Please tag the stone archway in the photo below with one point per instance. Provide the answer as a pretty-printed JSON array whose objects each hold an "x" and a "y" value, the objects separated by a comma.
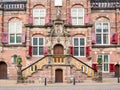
[
  {"x": 58, "y": 75},
  {"x": 3, "y": 70}
]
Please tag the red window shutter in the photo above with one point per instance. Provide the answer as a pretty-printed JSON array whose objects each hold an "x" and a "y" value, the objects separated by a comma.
[
  {"x": 88, "y": 51},
  {"x": 30, "y": 50},
  {"x": 93, "y": 38},
  {"x": 71, "y": 50},
  {"x": 95, "y": 67},
  {"x": 47, "y": 19},
  {"x": 112, "y": 67},
  {"x": 5, "y": 37},
  {"x": 30, "y": 20},
  {"x": 45, "y": 51},
  {"x": 114, "y": 38},
  {"x": 87, "y": 19},
  {"x": 111, "y": 38},
  {"x": 23, "y": 37},
  {"x": 69, "y": 20}
]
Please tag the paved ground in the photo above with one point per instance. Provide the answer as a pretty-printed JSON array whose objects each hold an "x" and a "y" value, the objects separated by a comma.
[
  {"x": 65, "y": 87},
  {"x": 108, "y": 84}
]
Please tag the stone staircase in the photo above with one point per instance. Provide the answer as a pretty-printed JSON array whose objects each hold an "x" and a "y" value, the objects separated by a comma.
[{"x": 42, "y": 69}]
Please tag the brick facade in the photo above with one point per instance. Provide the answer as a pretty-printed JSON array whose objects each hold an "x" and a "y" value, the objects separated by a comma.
[{"x": 64, "y": 34}]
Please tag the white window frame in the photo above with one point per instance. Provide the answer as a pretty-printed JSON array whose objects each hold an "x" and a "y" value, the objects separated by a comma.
[
  {"x": 80, "y": 46},
  {"x": 39, "y": 16},
  {"x": 103, "y": 33},
  {"x": 58, "y": 2},
  {"x": 104, "y": 63},
  {"x": 15, "y": 23},
  {"x": 38, "y": 46},
  {"x": 77, "y": 16}
]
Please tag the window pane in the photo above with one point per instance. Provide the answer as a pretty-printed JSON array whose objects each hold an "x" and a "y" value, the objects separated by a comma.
[
  {"x": 35, "y": 50},
  {"x": 42, "y": 21},
  {"x": 40, "y": 50},
  {"x": 75, "y": 41},
  {"x": 40, "y": 41},
  {"x": 42, "y": 12},
  {"x": 80, "y": 21},
  {"x": 12, "y": 38},
  {"x": 18, "y": 27},
  {"x": 35, "y": 41},
  {"x": 74, "y": 21},
  {"x": 98, "y": 25},
  {"x": 105, "y": 67},
  {"x": 80, "y": 12},
  {"x": 105, "y": 39},
  {"x": 105, "y": 58},
  {"x": 12, "y": 28},
  {"x": 76, "y": 49},
  {"x": 18, "y": 38},
  {"x": 98, "y": 30},
  {"x": 36, "y": 13},
  {"x": 82, "y": 43},
  {"x": 74, "y": 12},
  {"x": 98, "y": 39},
  {"x": 81, "y": 51},
  {"x": 36, "y": 21}
]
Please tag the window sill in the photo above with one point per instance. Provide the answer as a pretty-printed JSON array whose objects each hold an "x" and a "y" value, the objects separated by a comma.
[
  {"x": 105, "y": 46},
  {"x": 38, "y": 26},
  {"x": 14, "y": 45},
  {"x": 78, "y": 26}
]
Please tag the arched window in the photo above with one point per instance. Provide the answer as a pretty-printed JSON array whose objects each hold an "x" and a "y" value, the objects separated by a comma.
[
  {"x": 39, "y": 16},
  {"x": 77, "y": 15},
  {"x": 15, "y": 32}
]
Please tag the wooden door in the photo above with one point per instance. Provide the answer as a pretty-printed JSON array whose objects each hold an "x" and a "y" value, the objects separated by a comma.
[
  {"x": 3, "y": 70},
  {"x": 117, "y": 70},
  {"x": 58, "y": 49},
  {"x": 58, "y": 76}
]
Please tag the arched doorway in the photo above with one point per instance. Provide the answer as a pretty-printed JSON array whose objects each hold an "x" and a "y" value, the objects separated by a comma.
[
  {"x": 58, "y": 75},
  {"x": 3, "y": 70},
  {"x": 58, "y": 49}
]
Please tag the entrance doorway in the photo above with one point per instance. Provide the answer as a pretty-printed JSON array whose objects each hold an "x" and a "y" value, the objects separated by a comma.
[
  {"x": 3, "y": 70},
  {"x": 117, "y": 70},
  {"x": 58, "y": 76},
  {"x": 58, "y": 49}
]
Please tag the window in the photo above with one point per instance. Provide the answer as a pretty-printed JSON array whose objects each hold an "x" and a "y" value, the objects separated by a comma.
[
  {"x": 14, "y": 59},
  {"x": 105, "y": 62},
  {"x": 38, "y": 46},
  {"x": 77, "y": 15},
  {"x": 15, "y": 32},
  {"x": 58, "y": 2},
  {"x": 39, "y": 16},
  {"x": 79, "y": 46},
  {"x": 102, "y": 33}
]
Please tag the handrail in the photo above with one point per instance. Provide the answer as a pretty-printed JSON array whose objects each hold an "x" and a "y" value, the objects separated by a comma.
[
  {"x": 83, "y": 63},
  {"x": 34, "y": 63}
]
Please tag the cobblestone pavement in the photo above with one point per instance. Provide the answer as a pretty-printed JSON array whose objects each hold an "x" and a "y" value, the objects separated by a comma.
[{"x": 64, "y": 87}]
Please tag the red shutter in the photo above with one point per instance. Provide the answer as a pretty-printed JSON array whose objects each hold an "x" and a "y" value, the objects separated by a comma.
[
  {"x": 47, "y": 20},
  {"x": 45, "y": 51},
  {"x": 111, "y": 38},
  {"x": 5, "y": 37},
  {"x": 112, "y": 67},
  {"x": 30, "y": 21},
  {"x": 69, "y": 20},
  {"x": 88, "y": 51},
  {"x": 93, "y": 38},
  {"x": 87, "y": 19},
  {"x": 95, "y": 67},
  {"x": 114, "y": 38},
  {"x": 23, "y": 38},
  {"x": 71, "y": 50},
  {"x": 30, "y": 50}
]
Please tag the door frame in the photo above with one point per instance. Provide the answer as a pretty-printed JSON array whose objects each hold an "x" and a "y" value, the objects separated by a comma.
[
  {"x": 4, "y": 72},
  {"x": 59, "y": 79}
]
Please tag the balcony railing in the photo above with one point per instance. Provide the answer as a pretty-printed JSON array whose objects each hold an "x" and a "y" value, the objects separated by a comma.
[
  {"x": 13, "y": 5},
  {"x": 105, "y": 4}
]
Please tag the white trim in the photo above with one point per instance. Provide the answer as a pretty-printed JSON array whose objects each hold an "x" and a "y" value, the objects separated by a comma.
[
  {"x": 103, "y": 33},
  {"x": 80, "y": 46},
  {"x": 38, "y": 46}
]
